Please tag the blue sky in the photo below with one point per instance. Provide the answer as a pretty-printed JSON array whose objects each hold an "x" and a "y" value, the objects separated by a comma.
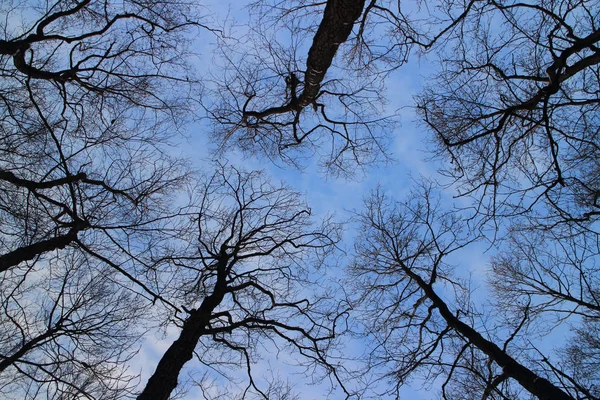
[
  {"x": 409, "y": 142},
  {"x": 323, "y": 194},
  {"x": 330, "y": 195}
]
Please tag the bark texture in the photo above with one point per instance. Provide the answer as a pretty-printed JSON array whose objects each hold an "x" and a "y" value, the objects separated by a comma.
[
  {"x": 28, "y": 253},
  {"x": 336, "y": 26}
]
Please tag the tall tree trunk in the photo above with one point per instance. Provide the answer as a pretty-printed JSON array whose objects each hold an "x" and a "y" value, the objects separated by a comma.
[
  {"x": 533, "y": 383},
  {"x": 338, "y": 19},
  {"x": 27, "y": 253},
  {"x": 164, "y": 380},
  {"x": 335, "y": 27}
]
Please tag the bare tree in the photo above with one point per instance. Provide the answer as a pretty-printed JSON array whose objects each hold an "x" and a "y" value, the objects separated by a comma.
[
  {"x": 558, "y": 274},
  {"x": 68, "y": 329},
  {"x": 87, "y": 105},
  {"x": 422, "y": 315},
  {"x": 515, "y": 109},
  {"x": 252, "y": 258},
  {"x": 91, "y": 93},
  {"x": 92, "y": 90},
  {"x": 551, "y": 276},
  {"x": 581, "y": 358},
  {"x": 81, "y": 115},
  {"x": 273, "y": 97},
  {"x": 309, "y": 77}
]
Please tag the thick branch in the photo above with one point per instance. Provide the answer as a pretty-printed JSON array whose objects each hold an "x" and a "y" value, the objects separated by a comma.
[
  {"x": 32, "y": 185},
  {"x": 36, "y": 73},
  {"x": 557, "y": 72},
  {"x": 80, "y": 177},
  {"x": 335, "y": 27},
  {"x": 27, "y": 253},
  {"x": 7, "y": 361}
]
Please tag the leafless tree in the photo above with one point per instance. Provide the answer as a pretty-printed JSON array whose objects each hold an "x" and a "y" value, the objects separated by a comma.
[
  {"x": 84, "y": 105},
  {"x": 253, "y": 252},
  {"x": 420, "y": 311},
  {"x": 309, "y": 78},
  {"x": 87, "y": 105},
  {"x": 581, "y": 357},
  {"x": 515, "y": 109},
  {"x": 68, "y": 327},
  {"x": 552, "y": 276},
  {"x": 91, "y": 91},
  {"x": 272, "y": 96}
]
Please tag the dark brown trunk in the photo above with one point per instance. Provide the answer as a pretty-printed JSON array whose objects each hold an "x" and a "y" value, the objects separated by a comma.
[
  {"x": 10, "y": 360},
  {"x": 338, "y": 19},
  {"x": 164, "y": 380},
  {"x": 335, "y": 27},
  {"x": 27, "y": 253}
]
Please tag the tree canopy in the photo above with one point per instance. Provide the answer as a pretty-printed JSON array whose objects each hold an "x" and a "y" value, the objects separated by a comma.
[{"x": 477, "y": 281}]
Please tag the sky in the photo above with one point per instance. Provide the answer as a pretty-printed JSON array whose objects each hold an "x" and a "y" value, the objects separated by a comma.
[
  {"x": 328, "y": 194},
  {"x": 323, "y": 194}
]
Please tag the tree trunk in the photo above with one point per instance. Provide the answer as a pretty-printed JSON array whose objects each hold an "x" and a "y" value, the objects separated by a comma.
[
  {"x": 338, "y": 19},
  {"x": 164, "y": 380},
  {"x": 534, "y": 384},
  {"x": 27, "y": 253}
]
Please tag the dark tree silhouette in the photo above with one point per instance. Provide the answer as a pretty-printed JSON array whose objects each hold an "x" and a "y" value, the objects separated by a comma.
[
  {"x": 91, "y": 92},
  {"x": 67, "y": 330},
  {"x": 81, "y": 117},
  {"x": 253, "y": 250},
  {"x": 515, "y": 109},
  {"x": 274, "y": 98},
  {"x": 308, "y": 78},
  {"x": 95, "y": 234},
  {"x": 424, "y": 320}
]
